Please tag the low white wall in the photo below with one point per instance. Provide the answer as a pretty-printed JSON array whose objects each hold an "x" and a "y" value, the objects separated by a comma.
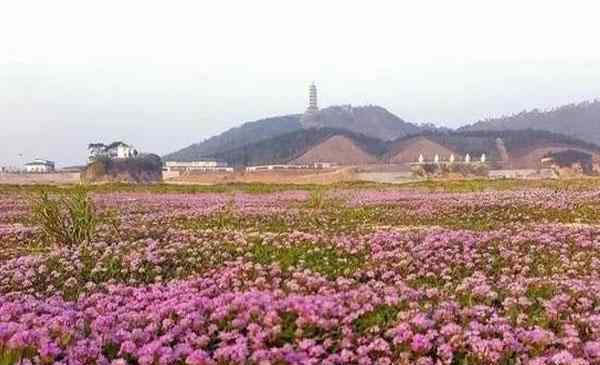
[
  {"x": 166, "y": 175},
  {"x": 51, "y": 178}
]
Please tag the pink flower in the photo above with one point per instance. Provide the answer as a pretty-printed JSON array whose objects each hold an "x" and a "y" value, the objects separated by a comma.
[
  {"x": 127, "y": 347},
  {"x": 562, "y": 358},
  {"x": 420, "y": 343},
  {"x": 592, "y": 349},
  {"x": 199, "y": 357}
]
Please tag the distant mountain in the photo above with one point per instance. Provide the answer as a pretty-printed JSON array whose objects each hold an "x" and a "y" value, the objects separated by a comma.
[
  {"x": 372, "y": 121},
  {"x": 304, "y": 144},
  {"x": 384, "y": 137},
  {"x": 507, "y": 149},
  {"x": 577, "y": 120},
  {"x": 246, "y": 134}
]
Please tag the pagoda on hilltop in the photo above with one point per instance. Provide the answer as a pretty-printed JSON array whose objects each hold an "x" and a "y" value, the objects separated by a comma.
[{"x": 311, "y": 115}]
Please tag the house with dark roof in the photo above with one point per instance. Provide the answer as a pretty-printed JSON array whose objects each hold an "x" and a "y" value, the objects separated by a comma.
[
  {"x": 115, "y": 150},
  {"x": 40, "y": 166}
]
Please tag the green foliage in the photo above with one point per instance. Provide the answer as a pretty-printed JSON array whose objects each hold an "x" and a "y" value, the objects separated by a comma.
[
  {"x": 69, "y": 219},
  {"x": 316, "y": 199},
  {"x": 247, "y": 133},
  {"x": 288, "y": 329},
  {"x": 328, "y": 261},
  {"x": 445, "y": 169},
  {"x": 8, "y": 357},
  {"x": 282, "y": 136},
  {"x": 11, "y": 357},
  {"x": 143, "y": 168},
  {"x": 582, "y": 121},
  {"x": 476, "y": 142},
  {"x": 451, "y": 186},
  {"x": 568, "y": 158},
  {"x": 382, "y": 317},
  {"x": 283, "y": 148},
  {"x": 479, "y": 185}
]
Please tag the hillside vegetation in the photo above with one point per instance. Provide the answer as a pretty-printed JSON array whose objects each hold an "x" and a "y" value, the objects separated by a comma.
[
  {"x": 146, "y": 168},
  {"x": 247, "y": 133},
  {"x": 577, "y": 120},
  {"x": 477, "y": 142},
  {"x": 373, "y": 121},
  {"x": 370, "y": 120},
  {"x": 285, "y": 138},
  {"x": 287, "y": 147},
  {"x": 314, "y": 144}
]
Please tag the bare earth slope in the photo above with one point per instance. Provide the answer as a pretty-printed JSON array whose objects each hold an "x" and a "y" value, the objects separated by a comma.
[
  {"x": 338, "y": 149},
  {"x": 408, "y": 150}
]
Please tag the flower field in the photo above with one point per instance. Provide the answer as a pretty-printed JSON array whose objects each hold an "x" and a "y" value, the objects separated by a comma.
[{"x": 346, "y": 275}]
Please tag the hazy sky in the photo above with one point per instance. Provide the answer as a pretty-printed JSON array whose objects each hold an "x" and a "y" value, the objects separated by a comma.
[{"x": 164, "y": 74}]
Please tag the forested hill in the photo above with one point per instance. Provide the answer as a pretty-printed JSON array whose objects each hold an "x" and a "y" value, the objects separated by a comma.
[
  {"x": 577, "y": 120},
  {"x": 581, "y": 121},
  {"x": 286, "y": 147},
  {"x": 246, "y": 134},
  {"x": 371, "y": 120}
]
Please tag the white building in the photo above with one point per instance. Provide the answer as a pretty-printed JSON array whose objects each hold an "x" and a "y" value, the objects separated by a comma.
[
  {"x": 314, "y": 165},
  {"x": 199, "y": 165},
  {"x": 125, "y": 151},
  {"x": 324, "y": 165},
  {"x": 39, "y": 166},
  {"x": 275, "y": 167},
  {"x": 113, "y": 151}
]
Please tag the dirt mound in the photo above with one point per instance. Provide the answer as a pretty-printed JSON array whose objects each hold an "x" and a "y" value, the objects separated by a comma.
[
  {"x": 337, "y": 149},
  {"x": 409, "y": 150},
  {"x": 142, "y": 169}
]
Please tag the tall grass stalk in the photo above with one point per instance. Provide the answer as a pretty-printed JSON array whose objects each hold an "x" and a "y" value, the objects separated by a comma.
[
  {"x": 66, "y": 220},
  {"x": 317, "y": 199}
]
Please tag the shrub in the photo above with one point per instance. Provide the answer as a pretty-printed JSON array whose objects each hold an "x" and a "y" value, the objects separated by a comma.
[
  {"x": 68, "y": 219},
  {"x": 316, "y": 199}
]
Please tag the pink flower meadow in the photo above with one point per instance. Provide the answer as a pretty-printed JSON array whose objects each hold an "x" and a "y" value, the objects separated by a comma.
[{"x": 374, "y": 277}]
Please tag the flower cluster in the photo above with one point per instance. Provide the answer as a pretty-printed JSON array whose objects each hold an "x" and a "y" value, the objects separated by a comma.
[{"x": 211, "y": 279}]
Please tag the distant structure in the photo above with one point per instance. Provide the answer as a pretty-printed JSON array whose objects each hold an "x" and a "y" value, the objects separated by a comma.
[
  {"x": 504, "y": 159},
  {"x": 313, "y": 106},
  {"x": 442, "y": 166},
  {"x": 10, "y": 170},
  {"x": 202, "y": 165},
  {"x": 311, "y": 166},
  {"x": 115, "y": 150},
  {"x": 311, "y": 114},
  {"x": 440, "y": 160},
  {"x": 40, "y": 166}
]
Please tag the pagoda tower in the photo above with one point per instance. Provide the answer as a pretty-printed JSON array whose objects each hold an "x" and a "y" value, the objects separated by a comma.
[
  {"x": 313, "y": 106},
  {"x": 311, "y": 114}
]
